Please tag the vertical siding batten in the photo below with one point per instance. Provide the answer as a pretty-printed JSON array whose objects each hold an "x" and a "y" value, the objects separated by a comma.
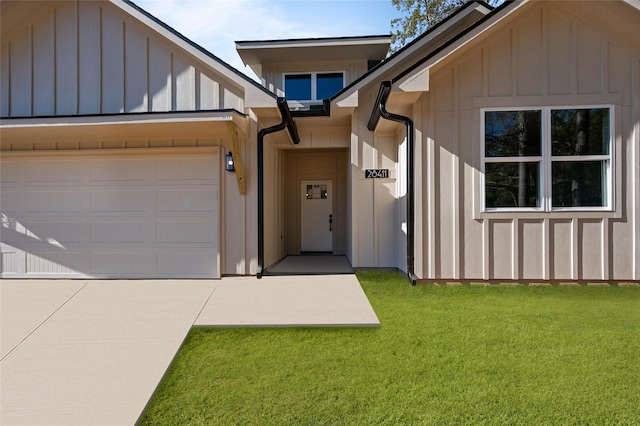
[
  {"x": 485, "y": 249},
  {"x": 606, "y": 249},
  {"x": 514, "y": 60},
  {"x": 635, "y": 155},
  {"x": 431, "y": 185},
  {"x": 419, "y": 193},
  {"x": 546, "y": 273},
  {"x": 148, "y": 91},
  {"x": 125, "y": 60},
  {"x": 196, "y": 86},
  {"x": 172, "y": 85},
  {"x": 31, "y": 63},
  {"x": 5, "y": 86},
  {"x": 78, "y": 57},
  {"x": 101, "y": 50},
  {"x": 516, "y": 270},
  {"x": 55, "y": 60},
  {"x": 455, "y": 176}
]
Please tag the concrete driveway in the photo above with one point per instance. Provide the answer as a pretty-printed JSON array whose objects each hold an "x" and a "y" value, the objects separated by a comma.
[{"x": 92, "y": 352}]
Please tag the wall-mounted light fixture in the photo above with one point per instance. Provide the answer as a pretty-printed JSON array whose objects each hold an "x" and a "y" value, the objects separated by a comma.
[{"x": 229, "y": 165}]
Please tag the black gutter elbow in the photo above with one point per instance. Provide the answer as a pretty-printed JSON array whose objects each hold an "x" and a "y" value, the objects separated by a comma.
[
  {"x": 381, "y": 100},
  {"x": 379, "y": 110},
  {"x": 288, "y": 123},
  {"x": 288, "y": 119}
]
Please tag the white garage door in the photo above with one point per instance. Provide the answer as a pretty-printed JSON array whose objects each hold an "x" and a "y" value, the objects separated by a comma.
[{"x": 148, "y": 214}]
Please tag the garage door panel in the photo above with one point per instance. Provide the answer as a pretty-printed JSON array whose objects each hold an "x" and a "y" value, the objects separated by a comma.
[
  {"x": 124, "y": 263},
  {"x": 11, "y": 201},
  {"x": 10, "y": 172},
  {"x": 118, "y": 200},
  {"x": 55, "y": 232},
  {"x": 55, "y": 170},
  {"x": 122, "y": 231},
  {"x": 181, "y": 169},
  {"x": 52, "y": 263},
  {"x": 56, "y": 201},
  {"x": 184, "y": 231},
  {"x": 10, "y": 235},
  {"x": 188, "y": 200},
  {"x": 110, "y": 215},
  {"x": 187, "y": 263},
  {"x": 8, "y": 261},
  {"x": 121, "y": 170}
]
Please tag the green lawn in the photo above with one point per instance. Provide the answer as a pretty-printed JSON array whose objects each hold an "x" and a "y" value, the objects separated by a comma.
[{"x": 443, "y": 355}]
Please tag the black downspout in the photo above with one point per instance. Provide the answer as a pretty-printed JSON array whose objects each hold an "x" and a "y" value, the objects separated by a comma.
[
  {"x": 287, "y": 122},
  {"x": 380, "y": 111}
]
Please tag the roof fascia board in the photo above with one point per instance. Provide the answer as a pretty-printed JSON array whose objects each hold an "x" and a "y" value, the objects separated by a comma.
[
  {"x": 395, "y": 60},
  {"x": 312, "y": 42},
  {"x": 256, "y": 96},
  {"x": 116, "y": 119}
]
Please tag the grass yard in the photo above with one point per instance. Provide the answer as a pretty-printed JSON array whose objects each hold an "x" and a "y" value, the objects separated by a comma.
[{"x": 444, "y": 355}]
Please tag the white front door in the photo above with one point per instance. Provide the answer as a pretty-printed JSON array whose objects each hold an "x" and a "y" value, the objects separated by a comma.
[{"x": 317, "y": 216}]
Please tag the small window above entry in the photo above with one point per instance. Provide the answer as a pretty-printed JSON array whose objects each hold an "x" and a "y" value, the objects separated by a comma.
[{"x": 312, "y": 86}]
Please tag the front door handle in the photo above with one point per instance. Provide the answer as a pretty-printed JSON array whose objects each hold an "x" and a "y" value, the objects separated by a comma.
[{"x": 330, "y": 222}]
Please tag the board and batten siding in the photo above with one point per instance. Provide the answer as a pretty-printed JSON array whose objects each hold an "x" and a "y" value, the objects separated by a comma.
[
  {"x": 376, "y": 208},
  {"x": 545, "y": 55},
  {"x": 88, "y": 57}
]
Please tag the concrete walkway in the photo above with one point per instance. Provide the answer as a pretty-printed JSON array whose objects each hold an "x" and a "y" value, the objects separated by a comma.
[{"x": 93, "y": 352}]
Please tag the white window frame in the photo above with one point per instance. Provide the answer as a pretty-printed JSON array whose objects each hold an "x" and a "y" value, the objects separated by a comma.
[
  {"x": 546, "y": 160},
  {"x": 314, "y": 83}
]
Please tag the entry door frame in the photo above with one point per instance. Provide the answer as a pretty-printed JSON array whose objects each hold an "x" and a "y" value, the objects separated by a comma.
[{"x": 315, "y": 164}]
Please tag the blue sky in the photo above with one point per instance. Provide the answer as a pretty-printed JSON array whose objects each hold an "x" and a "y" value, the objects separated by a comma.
[{"x": 217, "y": 24}]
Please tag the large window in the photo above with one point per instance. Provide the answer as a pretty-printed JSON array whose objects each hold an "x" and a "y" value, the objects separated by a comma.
[
  {"x": 547, "y": 159},
  {"x": 312, "y": 86}
]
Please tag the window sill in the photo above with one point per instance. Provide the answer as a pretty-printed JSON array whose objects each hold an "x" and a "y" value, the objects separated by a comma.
[{"x": 554, "y": 214}]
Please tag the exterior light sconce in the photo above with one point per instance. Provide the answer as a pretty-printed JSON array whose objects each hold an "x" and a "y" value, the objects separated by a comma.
[{"x": 229, "y": 164}]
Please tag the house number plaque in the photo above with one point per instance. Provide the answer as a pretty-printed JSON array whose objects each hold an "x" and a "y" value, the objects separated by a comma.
[{"x": 376, "y": 173}]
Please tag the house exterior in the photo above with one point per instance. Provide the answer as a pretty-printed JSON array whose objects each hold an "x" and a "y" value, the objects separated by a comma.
[{"x": 503, "y": 144}]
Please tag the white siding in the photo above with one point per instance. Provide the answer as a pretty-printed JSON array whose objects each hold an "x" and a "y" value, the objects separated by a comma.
[
  {"x": 378, "y": 206},
  {"x": 86, "y": 57},
  {"x": 544, "y": 55}
]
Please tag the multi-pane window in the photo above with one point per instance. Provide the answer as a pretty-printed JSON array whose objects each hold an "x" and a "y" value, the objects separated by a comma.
[
  {"x": 312, "y": 86},
  {"x": 547, "y": 158}
]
